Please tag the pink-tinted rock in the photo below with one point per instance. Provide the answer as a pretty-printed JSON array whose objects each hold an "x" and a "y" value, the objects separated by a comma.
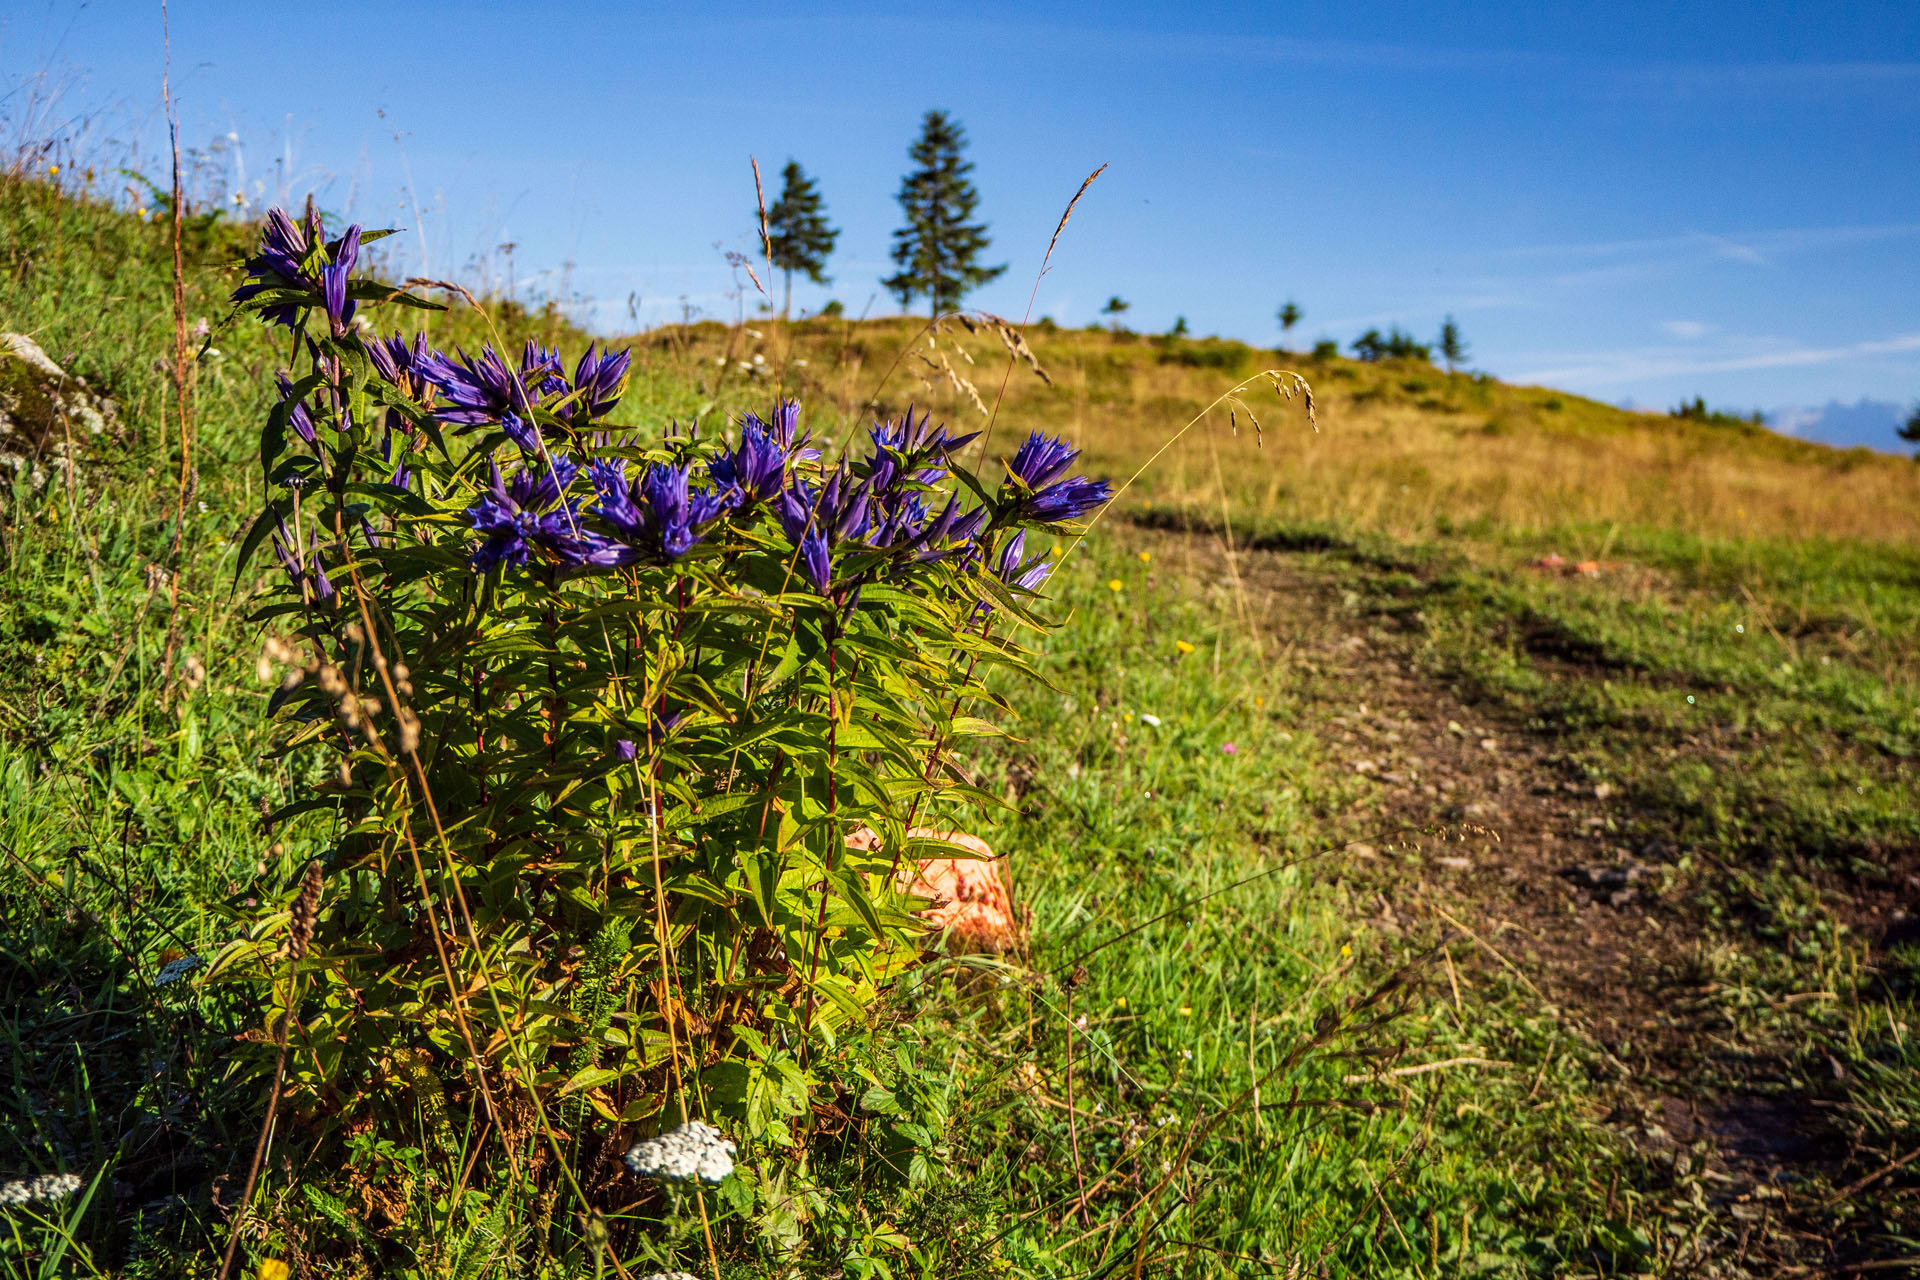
[{"x": 970, "y": 903}]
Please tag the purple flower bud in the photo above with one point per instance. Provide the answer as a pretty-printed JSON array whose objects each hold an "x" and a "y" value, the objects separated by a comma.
[
  {"x": 600, "y": 380},
  {"x": 344, "y": 252},
  {"x": 1068, "y": 500},
  {"x": 1040, "y": 460},
  {"x": 815, "y": 561},
  {"x": 297, "y": 417}
]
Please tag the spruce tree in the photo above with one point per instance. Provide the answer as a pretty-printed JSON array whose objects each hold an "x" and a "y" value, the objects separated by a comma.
[
  {"x": 1288, "y": 316},
  {"x": 1453, "y": 349},
  {"x": 798, "y": 237},
  {"x": 938, "y": 251}
]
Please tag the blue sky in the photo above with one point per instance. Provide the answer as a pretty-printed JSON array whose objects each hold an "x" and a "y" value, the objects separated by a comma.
[{"x": 1640, "y": 202}]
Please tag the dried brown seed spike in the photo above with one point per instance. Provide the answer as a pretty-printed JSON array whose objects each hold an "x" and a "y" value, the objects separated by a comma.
[{"x": 306, "y": 912}]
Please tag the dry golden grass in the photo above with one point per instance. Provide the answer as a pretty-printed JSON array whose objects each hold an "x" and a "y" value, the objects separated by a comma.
[{"x": 1400, "y": 447}]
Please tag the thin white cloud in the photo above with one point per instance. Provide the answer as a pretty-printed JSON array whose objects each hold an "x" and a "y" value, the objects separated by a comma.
[
  {"x": 1687, "y": 330},
  {"x": 1612, "y": 368},
  {"x": 1744, "y": 245}
]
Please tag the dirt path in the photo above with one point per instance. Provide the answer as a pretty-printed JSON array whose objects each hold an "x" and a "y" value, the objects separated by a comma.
[{"x": 1550, "y": 874}]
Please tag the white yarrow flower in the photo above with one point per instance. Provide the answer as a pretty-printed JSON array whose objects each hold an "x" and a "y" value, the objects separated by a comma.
[
  {"x": 694, "y": 1150},
  {"x": 174, "y": 970},
  {"x": 46, "y": 1186}
]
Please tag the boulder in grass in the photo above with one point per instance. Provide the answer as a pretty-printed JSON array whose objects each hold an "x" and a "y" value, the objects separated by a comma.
[
  {"x": 970, "y": 903},
  {"x": 969, "y": 897},
  {"x": 46, "y": 414}
]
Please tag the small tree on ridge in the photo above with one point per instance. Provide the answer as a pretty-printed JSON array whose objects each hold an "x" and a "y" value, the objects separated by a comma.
[
  {"x": 1452, "y": 348},
  {"x": 1289, "y": 315},
  {"x": 938, "y": 251},
  {"x": 798, "y": 237}
]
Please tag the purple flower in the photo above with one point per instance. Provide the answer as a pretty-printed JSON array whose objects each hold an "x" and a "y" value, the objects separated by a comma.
[
  {"x": 919, "y": 442},
  {"x": 795, "y": 510},
  {"x": 902, "y": 514},
  {"x": 627, "y": 749},
  {"x": 521, "y": 432},
  {"x": 1041, "y": 461},
  {"x": 333, "y": 278},
  {"x": 659, "y": 726},
  {"x": 659, "y": 514},
  {"x": 283, "y": 253},
  {"x": 401, "y": 363},
  {"x": 287, "y": 550},
  {"x": 599, "y": 381},
  {"x": 1037, "y": 469},
  {"x": 840, "y": 511},
  {"x": 297, "y": 417},
  {"x": 287, "y": 261},
  {"x": 815, "y": 561},
  {"x": 947, "y": 532},
  {"x": 785, "y": 430},
  {"x": 477, "y": 392},
  {"x": 530, "y": 514},
  {"x": 541, "y": 369},
  {"x": 1024, "y": 575},
  {"x": 756, "y": 470},
  {"x": 1068, "y": 500},
  {"x": 845, "y": 504}
]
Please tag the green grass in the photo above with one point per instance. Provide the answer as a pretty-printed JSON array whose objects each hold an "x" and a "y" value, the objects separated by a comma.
[{"x": 1200, "y": 895}]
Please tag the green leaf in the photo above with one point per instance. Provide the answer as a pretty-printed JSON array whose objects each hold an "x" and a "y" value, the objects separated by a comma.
[{"x": 263, "y": 524}]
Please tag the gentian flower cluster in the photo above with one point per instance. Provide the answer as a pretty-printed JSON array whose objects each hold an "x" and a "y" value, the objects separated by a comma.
[
  {"x": 530, "y": 515},
  {"x": 659, "y": 515},
  {"x": 1044, "y": 496},
  {"x": 576, "y": 502},
  {"x": 298, "y": 259},
  {"x": 302, "y": 567},
  {"x": 628, "y": 653}
]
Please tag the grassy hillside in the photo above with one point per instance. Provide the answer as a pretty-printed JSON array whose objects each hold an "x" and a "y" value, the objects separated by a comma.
[
  {"x": 1400, "y": 906},
  {"x": 1404, "y": 448}
]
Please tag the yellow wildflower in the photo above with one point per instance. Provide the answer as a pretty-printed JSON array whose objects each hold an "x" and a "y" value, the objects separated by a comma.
[
  {"x": 1114, "y": 584},
  {"x": 1183, "y": 646}
]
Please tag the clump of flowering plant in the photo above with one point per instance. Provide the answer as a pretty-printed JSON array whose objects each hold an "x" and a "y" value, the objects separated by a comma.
[{"x": 603, "y": 709}]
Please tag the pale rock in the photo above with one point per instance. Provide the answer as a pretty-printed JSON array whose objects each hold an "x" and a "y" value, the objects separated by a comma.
[{"x": 45, "y": 412}]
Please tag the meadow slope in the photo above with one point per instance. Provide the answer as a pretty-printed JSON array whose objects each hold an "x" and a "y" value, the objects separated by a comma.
[{"x": 1403, "y": 902}]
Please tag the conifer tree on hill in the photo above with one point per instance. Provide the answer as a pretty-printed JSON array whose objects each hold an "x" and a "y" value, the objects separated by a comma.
[
  {"x": 798, "y": 237},
  {"x": 1453, "y": 348},
  {"x": 938, "y": 250},
  {"x": 1288, "y": 316}
]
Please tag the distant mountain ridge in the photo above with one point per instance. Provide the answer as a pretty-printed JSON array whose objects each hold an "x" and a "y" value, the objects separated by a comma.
[{"x": 1872, "y": 423}]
